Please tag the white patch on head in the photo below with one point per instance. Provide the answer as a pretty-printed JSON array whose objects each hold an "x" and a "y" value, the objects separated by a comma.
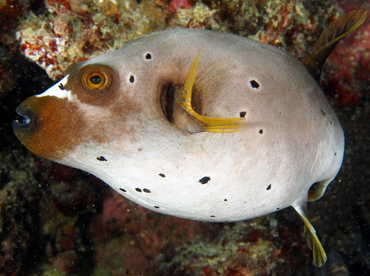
[{"x": 58, "y": 90}]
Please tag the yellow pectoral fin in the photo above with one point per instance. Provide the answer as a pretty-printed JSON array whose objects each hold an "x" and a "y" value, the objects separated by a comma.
[{"x": 211, "y": 124}]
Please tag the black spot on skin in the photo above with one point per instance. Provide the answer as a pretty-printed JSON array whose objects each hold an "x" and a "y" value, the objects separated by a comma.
[
  {"x": 101, "y": 158},
  {"x": 157, "y": 207},
  {"x": 204, "y": 180},
  {"x": 132, "y": 79},
  {"x": 268, "y": 187},
  {"x": 138, "y": 190},
  {"x": 260, "y": 131},
  {"x": 162, "y": 175},
  {"x": 225, "y": 199},
  {"x": 123, "y": 190},
  {"x": 146, "y": 190},
  {"x": 254, "y": 84},
  {"x": 322, "y": 112},
  {"x": 242, "y": 114},
  {"x": 61, "y": 86},
  {"x": 277, "y": 209},
  {"x": 335, "y": 153},
  {"x": 213, "y": 216},
  {"x": 331, "y": 122},
  {"x": 148, "y": 56}
]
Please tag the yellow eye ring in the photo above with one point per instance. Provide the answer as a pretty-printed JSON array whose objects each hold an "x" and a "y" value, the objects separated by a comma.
[{"x": 96, "y": 80}]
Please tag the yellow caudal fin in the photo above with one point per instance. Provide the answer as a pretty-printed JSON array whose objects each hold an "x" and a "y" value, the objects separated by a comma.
[
  {"x": 329, "y": 38},
  {"x": 319, "y": 255},
  {"x": 211, "y": 124}
]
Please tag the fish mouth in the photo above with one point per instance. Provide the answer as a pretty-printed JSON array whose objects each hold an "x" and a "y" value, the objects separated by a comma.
[{"x": 24, "y": 119}]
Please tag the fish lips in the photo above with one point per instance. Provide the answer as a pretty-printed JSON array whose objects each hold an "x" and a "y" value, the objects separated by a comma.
[{"x": 25, "y": 121}]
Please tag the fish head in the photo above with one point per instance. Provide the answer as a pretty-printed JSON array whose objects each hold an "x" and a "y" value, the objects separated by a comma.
[{"x": 97, "y": 103}]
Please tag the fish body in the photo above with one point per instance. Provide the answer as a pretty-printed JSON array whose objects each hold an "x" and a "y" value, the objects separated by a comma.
[
  {"x": 291, "y": 137},
  {"x": 192, "y": 123}
]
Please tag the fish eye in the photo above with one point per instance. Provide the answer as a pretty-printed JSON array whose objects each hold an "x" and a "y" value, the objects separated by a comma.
[{"x": 96, "y": 80}]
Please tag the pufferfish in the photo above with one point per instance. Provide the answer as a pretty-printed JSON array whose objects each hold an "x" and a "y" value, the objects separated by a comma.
[{"x": 197, "y": 124}]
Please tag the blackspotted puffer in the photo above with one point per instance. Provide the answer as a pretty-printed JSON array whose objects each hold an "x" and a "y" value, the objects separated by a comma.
[{"x": 197, "y": 124}]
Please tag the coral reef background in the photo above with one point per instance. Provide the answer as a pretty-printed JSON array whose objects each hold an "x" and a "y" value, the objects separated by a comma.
[{"x": 55, "y": 220}]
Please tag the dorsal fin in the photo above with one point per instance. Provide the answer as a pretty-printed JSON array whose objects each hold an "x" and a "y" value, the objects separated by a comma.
[{"x": 329, "y": 38}]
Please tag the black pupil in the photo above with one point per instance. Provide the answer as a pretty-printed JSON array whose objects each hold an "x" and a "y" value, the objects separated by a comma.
[{"x": 96, "y": 80}]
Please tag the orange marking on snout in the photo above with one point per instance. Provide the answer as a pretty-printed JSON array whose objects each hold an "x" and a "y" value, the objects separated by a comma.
[{"x": 56, "y": 127}]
